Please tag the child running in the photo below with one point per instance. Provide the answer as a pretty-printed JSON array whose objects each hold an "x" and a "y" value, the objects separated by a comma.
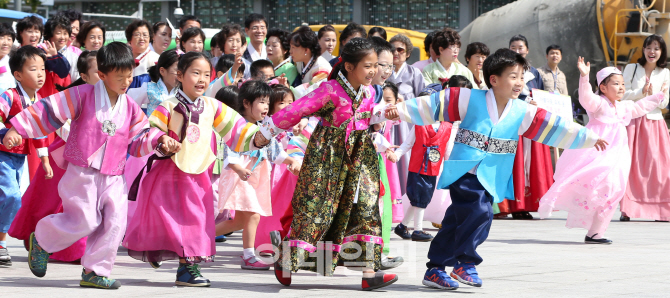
[{"x": 589, "y": 183}]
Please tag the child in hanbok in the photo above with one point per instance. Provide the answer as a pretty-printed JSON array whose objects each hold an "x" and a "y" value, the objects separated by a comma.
[
  {"x": 175, "y": 208},
  {"x": 589, "y": 183}
]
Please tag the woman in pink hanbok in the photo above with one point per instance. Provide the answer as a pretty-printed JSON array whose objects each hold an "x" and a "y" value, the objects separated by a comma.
[{"x": 589, "y": 184}]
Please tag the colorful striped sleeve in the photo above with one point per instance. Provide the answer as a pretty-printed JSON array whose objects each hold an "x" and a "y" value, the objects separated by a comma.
[
  {"x": 233, "y": 129},
  {"x": 298, "y": 144},
  {"x": 439, "y": 106},
  {"x": 48, "y": 114},
  {"x": 143, "y": 138},
  {"x": 5, "y": 106},
  {"x": 552, "y": 130}
]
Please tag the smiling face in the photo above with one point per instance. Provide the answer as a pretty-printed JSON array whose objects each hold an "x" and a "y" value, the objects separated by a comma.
[
  {"x": 476, "y": 62},
  {"x": 614, "y": 88},
  {"x": 257, "y": 110},
  {"x": 510, "y": 83},
  {"x": 75, "y": 30},
  {"x": 32, "y": 73},
  {"x": 256, "y": 32},
  {"x": 274, "y": 49},
  {"x": 195, "y": 79},
  {"x": 140, "y": 40},
  {"x": 30, "y": 36},
  {"x": 60, "y": 38},
  {"x": 450, "y": 54},
  {"x": 520, "y": 47},
  {"x": 328, "y": 41},
  {"x": 652, "y": 52},
  {"x": 194, "y": 44},
  {"x": 6, "y": 42},
  {"x": 400, "y": 54},
  {"x": 233, "y": 44},
  {"x": 94, "y": 39},
  {"x": 162, "y": 39},
  {"x": 384, "y": 67},
  {"x": 280, "y": 105},
  {"x": 363, "y": 72}
]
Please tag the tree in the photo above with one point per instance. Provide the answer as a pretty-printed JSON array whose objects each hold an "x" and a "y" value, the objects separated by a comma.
[
  {"x": 3, "y": 3},
  {"x": 33, "y": 4}
]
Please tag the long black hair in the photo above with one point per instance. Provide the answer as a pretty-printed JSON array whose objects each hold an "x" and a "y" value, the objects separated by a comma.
[
  {"x": 165, "y": 60},
  {"x": 353, "y": 52}
]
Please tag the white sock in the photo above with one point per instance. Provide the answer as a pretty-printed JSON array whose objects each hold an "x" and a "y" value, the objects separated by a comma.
[
  {"x": 408, "y": 215},
  {"x": 248, "y": 253},
  {"x": 418, "y": 219}
]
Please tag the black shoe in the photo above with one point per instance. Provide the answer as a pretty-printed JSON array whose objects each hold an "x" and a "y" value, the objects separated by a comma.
[
  {"x": 624, "y": 218},
  {"x": 228, "y": 234},
  {"x": 391, "y": 263},
  {"x": 526, "y": 215},
  {"x": 5, "y": 259},
  {"x": 156, "y": 265},
  {"x": 421, "y": 236},
  {"x": 590, "y": 240},
  {"x": 401, "y": 230}
]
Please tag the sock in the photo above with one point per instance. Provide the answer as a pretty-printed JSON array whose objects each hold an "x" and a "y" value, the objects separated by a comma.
[
  {"x": 248, "y": 253},
  {"x": 3, "y": 244},
  {"x": 408, "y": 216},
  {"x": 418, "y": 219}
]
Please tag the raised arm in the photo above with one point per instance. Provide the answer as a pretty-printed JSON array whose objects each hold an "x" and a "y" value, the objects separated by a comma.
[
  {"x": 143, "y": 139},
  {"x": 647, "y": 104},
  {"x": 48, "y": 114},
  {"x": 587, "y": 98},
  {"x": 301, "y": 108},
  {"x": 441, "y": 106},
  {"x": 546, "y": 128}
]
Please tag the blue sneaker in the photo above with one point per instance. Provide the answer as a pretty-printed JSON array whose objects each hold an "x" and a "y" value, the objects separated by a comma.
[
  {"x": 401, "y": 230},
  {"x": 221, "y": 238},
  {"x": 37, "y": 258},
  {"x": 189, "y": 276},
  {"x": 438, "y": 278},
  {"x": 467, "y": 274}
]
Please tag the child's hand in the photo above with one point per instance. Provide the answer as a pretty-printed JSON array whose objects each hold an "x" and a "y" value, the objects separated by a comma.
[
  {"x": 646, "y": 90},
  {"x": 169, "y": 145},
  {"x": 533, "y": 102},
  {"x": 47, "y": 167},
  {"x": 12, "y": 139},
  {"x": 584, "y": 69},
  {"x": 391, "y": 113},
  {"x": 390, "y": 155},
  {"x": 601, "y": 144},
  {"x": 283, "y": 80},
  {"x": 50, "y": 48},
  {"x": 243, "y": 173},
  {"x": 238, "y": 62},
  {"x": 297, "y": 130},
  {"x": 294, "y": 167}
]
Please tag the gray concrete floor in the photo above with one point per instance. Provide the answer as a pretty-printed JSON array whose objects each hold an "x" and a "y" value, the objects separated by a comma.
[{"x": 538, "y": 258}]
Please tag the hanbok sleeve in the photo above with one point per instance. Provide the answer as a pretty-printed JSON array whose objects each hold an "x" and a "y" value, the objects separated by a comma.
[
  {"x": 6, "y": 101},
  {"x": 546, "y": 128},
  {"x": 590, "y": 101},
  {"x": 226, "y": 80},
  {"x": 139, "y": 95},
  {"x": 407, "y": 144},
  {"x": 230, "y": 157},
  {"x": 293, "y": 113},
  {"x": 235, "y": 131},
  {"x": 445, "y": 105},
  {"x": 418, "y": 82},
  {"x": 380, "y": 142},
  {"x": 48, "y": 114},
  {"x": 645, "y": 105},
  {"x": 143, "y": 138},
  {"x": 297, "y": 145},
  {"x": 276, "y": 153}
]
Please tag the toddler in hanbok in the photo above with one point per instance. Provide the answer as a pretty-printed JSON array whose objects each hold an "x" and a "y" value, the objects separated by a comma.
[{"x": 589, "y": 183}]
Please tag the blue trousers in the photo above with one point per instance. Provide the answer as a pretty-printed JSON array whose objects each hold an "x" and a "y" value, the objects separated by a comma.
[
  {"x": 11, "y": 168},
  {"x": 465, "y": 226},
  {"x": 420, "y": 189}
]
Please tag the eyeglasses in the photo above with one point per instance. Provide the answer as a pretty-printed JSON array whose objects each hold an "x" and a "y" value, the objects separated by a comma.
[
  {"x": 386, "y": 67},
  {"x": 400, "y": 50},
  {"x": 140, "y": 35}
]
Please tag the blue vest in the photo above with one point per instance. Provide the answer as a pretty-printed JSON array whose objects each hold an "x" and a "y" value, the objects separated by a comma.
[{"x": 493, "y": 147}]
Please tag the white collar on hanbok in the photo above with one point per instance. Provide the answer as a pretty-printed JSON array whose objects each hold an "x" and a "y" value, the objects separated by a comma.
[
  {"x": 397, "y": 72},
  {"x": 492, "y": 107},
  {"x": 103, "y": 106}
]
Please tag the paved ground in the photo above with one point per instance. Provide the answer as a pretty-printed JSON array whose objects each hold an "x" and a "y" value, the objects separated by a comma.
[{"x": 539, "y": 258}]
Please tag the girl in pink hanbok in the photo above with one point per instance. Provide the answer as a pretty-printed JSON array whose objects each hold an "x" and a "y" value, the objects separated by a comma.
[{"x": 589, "y": 184}]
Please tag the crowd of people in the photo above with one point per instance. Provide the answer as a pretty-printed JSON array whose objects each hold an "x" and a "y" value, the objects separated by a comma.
[{"x": 313, "y": 155}]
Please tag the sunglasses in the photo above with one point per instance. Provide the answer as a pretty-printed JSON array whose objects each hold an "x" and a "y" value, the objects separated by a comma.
[{"x": 400, "y": 50}]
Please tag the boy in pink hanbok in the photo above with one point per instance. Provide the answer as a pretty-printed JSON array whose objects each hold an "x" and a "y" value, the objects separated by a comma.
[{"x": 106, "y": 125}]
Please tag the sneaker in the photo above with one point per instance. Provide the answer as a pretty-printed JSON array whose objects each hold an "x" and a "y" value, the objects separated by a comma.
[
  {"x": 37, "y": 258},
  {"x": 92, "y": 280},
  {"x": 591, "y": 240},
  {"x": 421, "y": 236},
  {"x": 283, "y": 276},
  {"x": 189, "y": 276},
  {"x": 253, "y": 263},
  {"x": 467, "y": 274},
  {"x": 436, "y": 225},
  {"x": 438, "y": 278},
  {"x": 156, "y": 265},
  {"x": 401, "y": 230},
  {"x": 390, "y": 263},
  {"x": 221, "y": 238},
  {"x": 379, "y": 281},
  {"x": 624, "y": 218},
  {"x": 5, "y": 259}
]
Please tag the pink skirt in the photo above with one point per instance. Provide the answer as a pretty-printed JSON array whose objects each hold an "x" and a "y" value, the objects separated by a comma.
[
  {"x": 282, "y": 193},
  {"x": 252, "y": 195},
  {"x": 40, "y": 200},
  {"x": 648, "y": 192},
  {"x": 174, "y": 217}
]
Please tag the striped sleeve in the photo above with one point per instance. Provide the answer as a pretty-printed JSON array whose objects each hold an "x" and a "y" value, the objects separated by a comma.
[
  {"x": 233, "y": 129},
  {"x": 48, "y": 114},
  {"x": 552, "y": 130},
  {"x": 439, "y": 106},
  {"x": 160, "y": 118},
  {"x": 143, "y": 138},
  {"x": 298, "y": 144},
  {"x": 5, "y": 106}
]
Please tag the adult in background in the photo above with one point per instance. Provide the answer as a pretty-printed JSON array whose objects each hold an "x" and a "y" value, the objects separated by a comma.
[
  {"x": 327, "y": 40},
  {"x": 162, "y": 37},
  {"x": 648, "y": 191},
  {"x": 377, "y": 31},
  {"x": 352, "y": 30},
  {"x": 256, "y": 27},
  {"x": 278, "y": 47},
  {"x": 552, "y": 77},
  {"x": 428, "y": 47},
  {"x": 306, "y": 54},
  {"x": 72, "y": 50},
  {"x": 475, "y": 54},
  {"x": 91, "y": 36},
  {"x": 138, "y": 33}
]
